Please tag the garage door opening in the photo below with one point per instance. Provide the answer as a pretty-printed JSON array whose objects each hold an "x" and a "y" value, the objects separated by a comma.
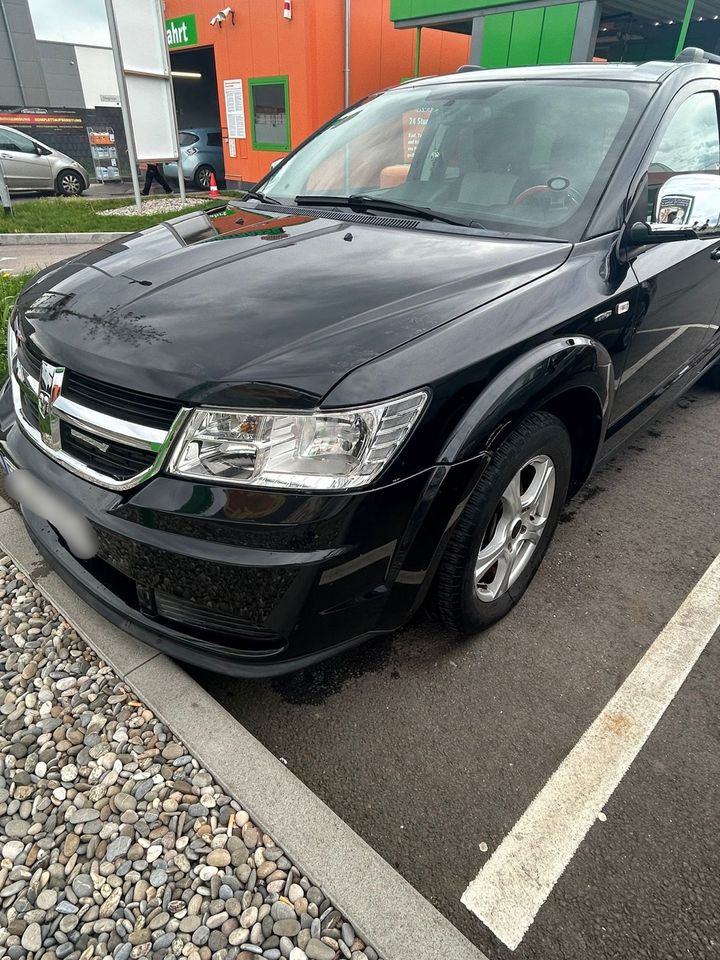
[
  {"x": 198, "y": 113},
  {"x": 195, "y": 86}
]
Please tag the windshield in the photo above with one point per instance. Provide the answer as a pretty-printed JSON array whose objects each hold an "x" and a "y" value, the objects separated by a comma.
[{"x": 529, "y": 157}]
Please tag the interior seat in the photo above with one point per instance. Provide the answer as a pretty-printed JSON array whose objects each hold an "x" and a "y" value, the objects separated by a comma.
[{"x": 499, "y": 151}]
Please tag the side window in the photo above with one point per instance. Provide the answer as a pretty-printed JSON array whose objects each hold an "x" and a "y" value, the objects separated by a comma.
[
  {"x": 691, "y": 142},
  {"x": 214, "y": 139},
  {"x": 690, "y": 145},
  {"x": 11, "y": 140}
]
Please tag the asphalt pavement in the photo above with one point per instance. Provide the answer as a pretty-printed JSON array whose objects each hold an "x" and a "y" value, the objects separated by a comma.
[
  {"x": 430, "y": 746},
  {"x": 19, "y": 258}
]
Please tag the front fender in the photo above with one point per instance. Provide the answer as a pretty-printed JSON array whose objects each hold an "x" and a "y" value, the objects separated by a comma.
[{"x": 528, "y": 383}]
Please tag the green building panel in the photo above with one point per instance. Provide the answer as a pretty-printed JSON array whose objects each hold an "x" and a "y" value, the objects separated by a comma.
[
  {"x": 528, "y": 37},
  {"x": 558, "y": 33},
  {"x": 527, "y": 31},
  {"x": 496, "y": 40}
]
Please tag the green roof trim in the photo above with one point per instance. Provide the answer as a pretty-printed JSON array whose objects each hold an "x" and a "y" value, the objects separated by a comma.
[{"x": 412, "y": 9}]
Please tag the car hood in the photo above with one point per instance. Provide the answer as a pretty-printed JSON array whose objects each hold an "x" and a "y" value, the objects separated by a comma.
[{"x": 264, "y": 307}]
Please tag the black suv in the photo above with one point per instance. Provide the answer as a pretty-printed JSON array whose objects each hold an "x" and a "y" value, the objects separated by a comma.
[{"x": 274, "y": 429}]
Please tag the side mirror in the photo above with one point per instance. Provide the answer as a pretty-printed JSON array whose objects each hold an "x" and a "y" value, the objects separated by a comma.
[{"x": 687, "y": 207}]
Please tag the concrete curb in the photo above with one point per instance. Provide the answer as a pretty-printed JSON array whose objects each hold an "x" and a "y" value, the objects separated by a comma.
[
  {"x": 384, "y": 908},
  {"x": 35, "y": 239}
]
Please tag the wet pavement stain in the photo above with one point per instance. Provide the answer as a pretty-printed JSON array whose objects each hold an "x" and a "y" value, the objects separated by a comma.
[{"x": 314, "y": 685}]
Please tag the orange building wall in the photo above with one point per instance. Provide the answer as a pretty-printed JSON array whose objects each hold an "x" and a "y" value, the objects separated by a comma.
[{"x": 309, "y": 49}]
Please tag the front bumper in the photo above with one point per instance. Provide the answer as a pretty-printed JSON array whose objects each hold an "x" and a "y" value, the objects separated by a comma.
[{"x": 248, "y": 582}]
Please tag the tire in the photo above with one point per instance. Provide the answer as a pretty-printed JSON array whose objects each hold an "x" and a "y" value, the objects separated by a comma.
[
  {"x": 70, "y": 184},
  {"x": 538, "y": 448},
  {"x": 201, "y": 180}
]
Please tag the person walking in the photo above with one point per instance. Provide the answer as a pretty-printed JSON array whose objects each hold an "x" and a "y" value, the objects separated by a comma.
[{"x": 155, "y": 172}]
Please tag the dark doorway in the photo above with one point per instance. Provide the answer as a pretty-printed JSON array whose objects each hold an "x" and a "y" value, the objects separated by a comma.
[{"x": 195, "y": 85}]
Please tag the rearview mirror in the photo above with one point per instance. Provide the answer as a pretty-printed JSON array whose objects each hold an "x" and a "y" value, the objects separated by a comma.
[{"x": 687, "y": 207}]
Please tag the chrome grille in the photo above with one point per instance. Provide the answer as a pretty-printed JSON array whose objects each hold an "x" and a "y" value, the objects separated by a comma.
[
  {"x": 112, "y": 436},
  {"x": 107, "y": 397},
  {"x": 116, "y": 460}
]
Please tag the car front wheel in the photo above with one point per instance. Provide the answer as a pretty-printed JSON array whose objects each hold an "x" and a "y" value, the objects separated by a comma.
[
  {"x": 70, "y": 184},
  {"x": 506, "y": 526}
]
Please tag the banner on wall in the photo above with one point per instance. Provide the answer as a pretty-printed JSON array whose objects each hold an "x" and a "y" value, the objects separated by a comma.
[
  {"x": 235, "y": 109},
  {"x": 51, "y": 119}
]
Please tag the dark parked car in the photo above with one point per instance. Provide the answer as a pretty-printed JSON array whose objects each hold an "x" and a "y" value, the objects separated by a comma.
[
  {"x": 276, "y": 430},
  {"x": 202, "y": 155}
]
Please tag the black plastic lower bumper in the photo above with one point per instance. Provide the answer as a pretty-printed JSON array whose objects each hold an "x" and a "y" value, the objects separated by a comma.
[{"x": 246, "y": 582}]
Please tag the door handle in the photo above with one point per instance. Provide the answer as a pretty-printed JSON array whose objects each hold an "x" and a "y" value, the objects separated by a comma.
[
  {"x": 715, "y": 255},
  {"x": 6, "y": 156}
]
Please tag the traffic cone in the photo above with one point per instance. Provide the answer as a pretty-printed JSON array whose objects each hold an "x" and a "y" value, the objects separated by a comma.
[{"x": 214, "y": 192}]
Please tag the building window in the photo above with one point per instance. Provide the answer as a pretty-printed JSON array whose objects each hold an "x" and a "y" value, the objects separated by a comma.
[{"x": 269, "y": 113}]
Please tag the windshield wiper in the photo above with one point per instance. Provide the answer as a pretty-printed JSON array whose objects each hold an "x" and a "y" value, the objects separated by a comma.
[
  {"x": 256, "y": 195},
  {"x": 361, "y": 203}
]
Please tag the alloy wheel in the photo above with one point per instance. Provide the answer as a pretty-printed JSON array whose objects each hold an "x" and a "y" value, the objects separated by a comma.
[
  {"x": 70, "y": 184},
  {"x": 204, "y": 177},
  {"x": 515, "y": 528}
]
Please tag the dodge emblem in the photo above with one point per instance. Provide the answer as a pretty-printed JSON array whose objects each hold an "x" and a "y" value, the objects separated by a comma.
[{"x": 49, "y": 388}]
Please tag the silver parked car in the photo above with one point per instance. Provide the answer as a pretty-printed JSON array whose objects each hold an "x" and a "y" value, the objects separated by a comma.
[
  {"x": 202, "y": 154},
  {"x": 28, "y": 164}
]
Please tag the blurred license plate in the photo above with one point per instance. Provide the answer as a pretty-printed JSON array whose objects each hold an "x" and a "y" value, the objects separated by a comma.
[{"x": 54, "y": 507}]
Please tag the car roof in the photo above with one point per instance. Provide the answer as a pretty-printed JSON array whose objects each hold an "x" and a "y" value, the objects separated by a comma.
[{"x": 654, "y": 71}]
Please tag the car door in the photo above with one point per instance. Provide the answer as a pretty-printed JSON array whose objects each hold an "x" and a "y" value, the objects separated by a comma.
[
  {"x": 22, "y": 166},
  {"x": 679, "y": 281}
]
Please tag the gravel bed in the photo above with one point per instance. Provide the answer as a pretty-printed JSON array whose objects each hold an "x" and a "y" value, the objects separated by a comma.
[
  {"x": 115, "y": 842},
  {"x": 163, "y": 204}
]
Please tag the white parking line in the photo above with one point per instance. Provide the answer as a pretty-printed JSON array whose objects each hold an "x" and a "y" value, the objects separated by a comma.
[{"x": 517, "y": 879}]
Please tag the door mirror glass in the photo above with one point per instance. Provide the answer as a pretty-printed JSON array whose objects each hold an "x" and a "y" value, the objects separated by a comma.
[{"x": 687, "y": 207}]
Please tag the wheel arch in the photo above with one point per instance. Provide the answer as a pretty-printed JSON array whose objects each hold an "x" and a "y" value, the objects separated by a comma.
[
  {"x": 570, "y": 377},
  {"x": 64, "y": 170}
]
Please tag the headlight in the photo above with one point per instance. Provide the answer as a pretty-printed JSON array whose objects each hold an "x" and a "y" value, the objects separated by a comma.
[{"x": 331, "y": 450}]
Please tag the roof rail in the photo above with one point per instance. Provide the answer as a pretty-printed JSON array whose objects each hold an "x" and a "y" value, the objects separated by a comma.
[
  {"x": 467, "y": 68},
  {"x": 696, "y": 55}
]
